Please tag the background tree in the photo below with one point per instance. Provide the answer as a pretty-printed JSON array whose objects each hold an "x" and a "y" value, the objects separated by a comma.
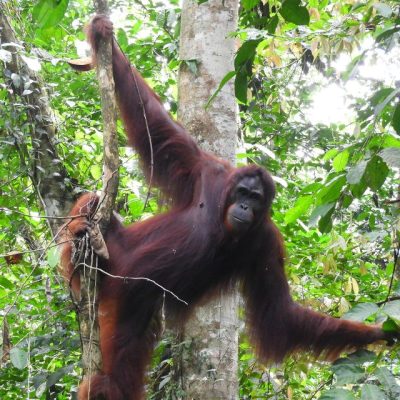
[{"x": 209, "y": 356}]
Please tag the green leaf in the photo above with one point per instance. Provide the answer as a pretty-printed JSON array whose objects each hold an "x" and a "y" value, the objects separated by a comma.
[
  {"x": 388, "y": 381},
  {"x": 249, "y": 4},
  {"x": 300, "y": 208},
  {"x": 381, "y": 106},
  {"x": 246, "y": 53},
  {"x": 355, "y": 174},
  {"x": 386, "y": 32},
  {"x": 376, "y": 173},
  {"x": 361, "y": 312},
  {"x": 332, "y": 192},
  {"x": 48, "y": 13},
  {"x": 330, "y": 154},
  {"x": 347, "y": 373},
  {"x": 272, "y": 24},
  {"x": 337, "y": 394},
  {"x": 380, "y": 95},
  {"x": 358, "y": 357},
  {"x": 292, "y": 11},
  {"x": 320, "y": 211},
  {"x": 53, "y": 378},
  {"x": 4, "y": 282},
  {"x": 348, "y": 73},
  {"x": 392, "y": 309},
  {"x": 325, "y": 223},
  {"x": 19, "y": 358},
  {"x": 358, "y": 189},
  {"x": 372, "y": 392},
  {"x": 391, "y": 326},
  {"x": 340, "y": 161},
  {"x": 96, "y": 171},
  {"x": 53, "y": 257},
  {"x": 122, "y": 38},
  {"x": 241, "y": 87},
  {"x": 311, "y": 188},
  {"x": 396, "y": 119},
  {"x": 391, "y": 156},
  {"x": 223, "y": 82}
]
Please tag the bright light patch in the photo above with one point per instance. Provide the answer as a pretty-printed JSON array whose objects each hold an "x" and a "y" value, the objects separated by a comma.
[
  {"x": 329, "y": 106},
  {"x": 333, "y": 103}
]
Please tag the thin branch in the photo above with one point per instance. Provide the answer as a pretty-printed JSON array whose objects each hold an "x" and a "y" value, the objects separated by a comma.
[
  {"x": 41, "y": 216},
  {"x": 388, "y": 300},
  {"x": 39, "y": 249},
  {"x": 126, "y": 278},
  {"x": 392, "y": 201}
]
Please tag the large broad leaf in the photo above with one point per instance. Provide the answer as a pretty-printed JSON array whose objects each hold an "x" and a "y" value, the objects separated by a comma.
[
  {"x": 340, "y": 161},
  {"x": 19, "y": 358},
  {"x": 372, "y": 392},
  {"x": 60, "y": 373},
  {"x": 382, "y": 104},
  {"x": 311, "y": 188},
  {"x": 361, "y": 312},
  {"x": 320, "y": 211},
  {"x": 241, "y": 87},
  {"x": 385, "y": 33},
  {"x": 337, "y": 394},
  {"x": 376, "y": 173},
  {"x": 243, "y": 67},
  {"x": 48, "y": 13},
  {"x": 293, "y": 11},
  {"x": 358, "y": 189},
  {"x": 388, "y": 381},
  {"x": 392, "y": 309},
  {"x": 249, "y": 4},
  {"x": 381, "y": 95},
  {"x": 325, "y": 223},
  {"x": 246, "y": 52},
  {"x": 347, "y": 373},
  {"x": 272, "y": 25},
  {"x": 53, "y": 257},
  {"x": 396, "y": 119},
  {"x": 355, "y": 174},
  {"x": 300, "y": 208},
  {"x": 358, "y": 357},
  {"x": 391, "y": 156},
  {"x": 333, "y": 190}
]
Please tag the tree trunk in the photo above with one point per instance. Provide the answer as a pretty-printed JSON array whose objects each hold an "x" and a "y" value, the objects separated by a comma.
[
  {"x": 209, "y": 364},
  {"x": 47, "y": 173}
]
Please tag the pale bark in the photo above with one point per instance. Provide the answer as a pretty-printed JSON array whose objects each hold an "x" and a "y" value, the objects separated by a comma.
[{"x": 209, "y": 364}]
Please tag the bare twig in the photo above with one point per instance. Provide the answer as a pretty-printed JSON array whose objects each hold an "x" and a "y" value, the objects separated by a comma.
[
  {"x": 388, "y": 300},
  {"x": 133, "y": 278},
  {"x": 41, "y": 216},
  {"x": 392, "y": 201}
]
